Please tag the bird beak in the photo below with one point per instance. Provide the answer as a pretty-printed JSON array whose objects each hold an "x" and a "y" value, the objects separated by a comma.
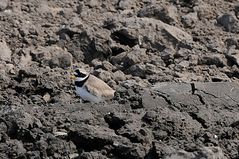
[{"x": 73, "y": 77}]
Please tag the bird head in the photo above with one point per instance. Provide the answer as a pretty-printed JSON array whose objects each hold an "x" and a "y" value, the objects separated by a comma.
[{"x": 79, "y": 75}]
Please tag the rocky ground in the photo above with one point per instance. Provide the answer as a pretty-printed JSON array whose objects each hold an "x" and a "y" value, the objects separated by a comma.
[{"x": 155, "y": 54}]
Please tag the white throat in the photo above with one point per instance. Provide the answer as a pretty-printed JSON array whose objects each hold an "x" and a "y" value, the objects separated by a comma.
[{"x": 81, "y": 78}]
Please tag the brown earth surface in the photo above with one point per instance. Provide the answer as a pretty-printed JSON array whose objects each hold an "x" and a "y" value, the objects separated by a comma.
[{"x": 174, "y": 65}]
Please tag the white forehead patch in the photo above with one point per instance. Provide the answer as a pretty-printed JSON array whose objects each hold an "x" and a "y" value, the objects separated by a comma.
[{"x": 83, "y": 71}]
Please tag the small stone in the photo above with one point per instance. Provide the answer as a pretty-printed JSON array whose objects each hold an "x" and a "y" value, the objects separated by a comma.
[
  {"x": 93, "y": 3},
  {"x": 119, "y": 76},
  {"x": 216, "y": 59},
  {"x": 171, "y": 14},
  {"x": 157, "y": 61},
  {"x": 46, "y": 97},
  {"x": 5, "y": 52},
  {"x": 163, "y": 149},
  {"x": 138, "y": 70},
  {"x": 135, "y": 56},
  {"x": 151, "y": 11},
  {"x": 96, "y": 63},
  {"x": 126, "y": 4},
  {"x": 167, "y": 56},
  {"x": 107, "y": 66},
  {"x": 182, "y": 53},
  {"x": 118, "y": 59},
  {"x": 102, "y": 74},
  {"x": 151, "y": 69},
  {"x": 24, "y": 58},
  {"x": 150, "y": 116},
  {"x": 160, "y": 134},
  {"x": 112, "y": 84},
  {"x": 229, "y": 22},
  {"x": 10, "y": 68},
  {"x": 73, "y": 155},
  {"x": 184, "y": 64},
  {"x": 193, "y": 59},
  {"x": 65, "y": 60},
  {"x": 190, "y": 19}
]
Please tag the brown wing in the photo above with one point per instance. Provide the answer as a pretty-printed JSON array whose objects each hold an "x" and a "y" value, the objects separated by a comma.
[{"x": 99, "y": 88}]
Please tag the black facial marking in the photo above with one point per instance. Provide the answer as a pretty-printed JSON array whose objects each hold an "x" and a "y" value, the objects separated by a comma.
[
  {"x": 79, "y": 74},
  {"x": 81, "y": 83}
]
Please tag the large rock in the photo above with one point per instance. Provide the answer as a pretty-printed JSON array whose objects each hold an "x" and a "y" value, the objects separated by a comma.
[
  {"x": 135, "y": 56},
  {"x": 217, "y": 59},
  {"x": 148, "y": 33},
  {"x": 221, "y": 94},
  {"x": 52, "y": 56},
  {"x": 94, "y": 137}
]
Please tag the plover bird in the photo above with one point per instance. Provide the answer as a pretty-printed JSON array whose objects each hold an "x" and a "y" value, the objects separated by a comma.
[{"x": 91, "y": 88}]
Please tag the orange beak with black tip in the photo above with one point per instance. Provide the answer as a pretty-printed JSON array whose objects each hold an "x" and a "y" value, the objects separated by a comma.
[{"x": 73, "y": 77}]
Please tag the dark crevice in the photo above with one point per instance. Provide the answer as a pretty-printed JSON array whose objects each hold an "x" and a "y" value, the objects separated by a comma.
[
  {"x": 231, "y": 98},
  {"x": 216, "y": 79},
  {"x": 64, "y": 32},
  {"x": 87, "y": 144},
  {"x": 22, "y": 74},
  {"x": 198, "y": 119},
  {"x": 113, "y": 121},
  {"x": 131, "y": 137},
  {"x": 152, "y": 153},
  {"x": 12, "y": 130},
  {"x": 193, "y": 90},
  {"x": 232, "y": 74},
  {"x": 201, "y": 99},
  {"x": 124, "y": 38},
  {"x": 116, "y": 51},
  {"x": 235, "y": 124},
  {"x": 208, "y": 93},
  {"x": 165, "y": 97}
]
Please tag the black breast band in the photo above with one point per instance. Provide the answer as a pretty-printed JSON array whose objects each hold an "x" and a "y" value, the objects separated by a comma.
[{"x": 81, "y": 83}]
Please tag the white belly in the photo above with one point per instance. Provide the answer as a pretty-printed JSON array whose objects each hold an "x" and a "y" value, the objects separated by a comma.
[{"x": 85, "y": 95}]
